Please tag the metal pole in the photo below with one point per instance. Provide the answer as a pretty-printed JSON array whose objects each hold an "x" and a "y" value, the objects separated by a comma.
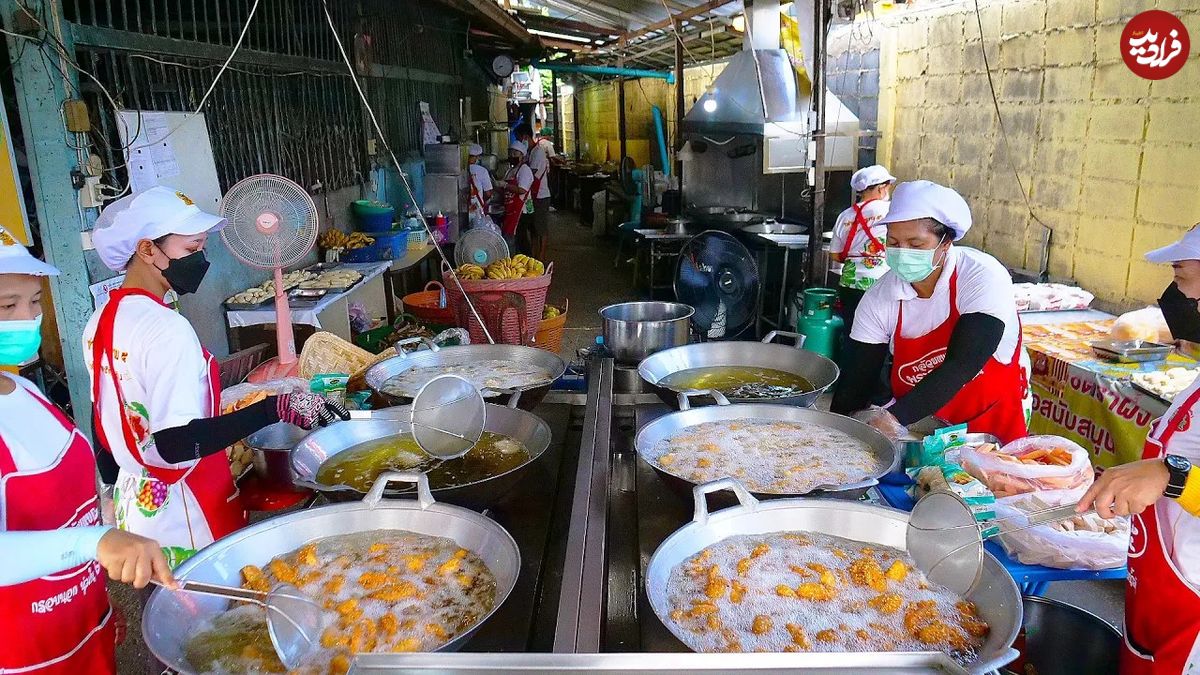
[
  {"x": 621, "y": 102},
  {"x": 39, "y": 92},
  {"x": 558, "y": 130},
  {"x": 679, "y": 109},
  {"x": 816, "y": 275},
  {"x": 575, "y": 115}
]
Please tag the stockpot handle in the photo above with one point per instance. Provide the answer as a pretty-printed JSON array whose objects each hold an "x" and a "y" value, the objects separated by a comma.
[
  {"x": 685, "y": 400},
  {"x": 700, "y": 492},
  {"x": 424, "y": 496},
  {"x": 798, "y": 337},
  {"x": 416, "y": 340}
]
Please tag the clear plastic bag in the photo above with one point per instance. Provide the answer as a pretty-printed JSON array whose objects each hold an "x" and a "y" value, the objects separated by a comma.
[
  {"x": 483, "y": 221},
  {"x": 1083, "y": 542},
  {"x": 1142, "y": 324},
  {"x": 1030, "y": 464}
]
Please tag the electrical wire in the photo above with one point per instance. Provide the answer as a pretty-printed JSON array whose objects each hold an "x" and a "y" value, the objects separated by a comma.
[
  {"x": 403, "y": 179},
  {"x": 987, "y": 68}
]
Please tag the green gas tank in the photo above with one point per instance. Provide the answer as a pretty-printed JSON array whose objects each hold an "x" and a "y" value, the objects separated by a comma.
[{"x": 820, "y": 326}]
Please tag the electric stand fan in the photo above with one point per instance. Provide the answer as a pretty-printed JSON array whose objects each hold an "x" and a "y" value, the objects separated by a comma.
[{"x": 272, "y": 225}]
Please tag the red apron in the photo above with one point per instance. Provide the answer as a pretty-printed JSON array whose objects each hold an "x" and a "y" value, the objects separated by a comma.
[
  {"x": 860, "y": 222},
  {"x": 514, "y": 204},
  {"x": 209, "y": 479},
  {"x": 1162, "y": 612},
  {"x": 989, "y": 403},
  {"x": 60, "y": 623}
]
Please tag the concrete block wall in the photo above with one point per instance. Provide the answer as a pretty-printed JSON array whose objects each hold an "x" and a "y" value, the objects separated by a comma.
[
  {"x": 853, "y": 75},
  {"x": 598, "y": 113},
  {"x": 1109, "y": 161}
]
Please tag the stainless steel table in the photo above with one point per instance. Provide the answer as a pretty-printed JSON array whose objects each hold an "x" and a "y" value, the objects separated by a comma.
[
  {"x": 788, "y": 243},
  {"x": 660, "y": 244}
]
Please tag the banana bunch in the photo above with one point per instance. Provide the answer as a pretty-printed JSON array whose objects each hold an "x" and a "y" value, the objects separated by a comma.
[
  {"x": 470, "y": 272},
  {"x": 550, "y": 312},
  {"x": 504, "y": 269},
  {"x": 339, "y": 239},
  {"x": 530, "y": 267}
]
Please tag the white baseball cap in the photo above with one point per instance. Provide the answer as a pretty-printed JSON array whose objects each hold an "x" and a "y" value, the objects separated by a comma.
[
  {"x": 926, "y": 199},
  {"x": 870, "y": 175},
  {"x": 16, "y": 259},
  {"x": 519, "y": 146},
  {"x": 149, "y": 214},
  {"x": 1187, "y": 248},
  {"x": 475, "y": 150}
]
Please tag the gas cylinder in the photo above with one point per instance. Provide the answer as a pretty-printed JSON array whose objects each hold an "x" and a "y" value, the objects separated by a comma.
[{"x": 821, "y": 328}]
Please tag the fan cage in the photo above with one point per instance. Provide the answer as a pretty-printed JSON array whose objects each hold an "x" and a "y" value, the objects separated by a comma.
[{"x": 291, "y": 239}]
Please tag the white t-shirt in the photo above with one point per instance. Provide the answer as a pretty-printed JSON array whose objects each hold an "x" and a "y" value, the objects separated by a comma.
[
  {"x": 163, "y": 374},
  {"x": 1180, "y": 529},
  {"x": 539, "y": 161},
  {"x": 984, "y": 287},
  {"x": 864, "y": 265},
  {"x": 481, "y": 178},
  {"x": 33, "y": 436}
]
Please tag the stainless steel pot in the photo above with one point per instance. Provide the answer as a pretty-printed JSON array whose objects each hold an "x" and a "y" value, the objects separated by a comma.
[
  {"x": 271, "y": 446},
  {"x": 170, "y": 618},
  {"x": 635, "y": 330},
  {"x": 996, "y": 595},
  {"x": 818, "y": 370},
  {"x": 319, "y": 446},
  {"x": 886, "y": 456},
  {"x": 381, "y": 372},
  {"x": 772, "y": 226}
]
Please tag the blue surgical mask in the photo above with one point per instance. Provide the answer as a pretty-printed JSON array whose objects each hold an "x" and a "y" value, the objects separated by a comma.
[
  {"x": 19, "y": 340},
  {"x": 912, "y": 264}
]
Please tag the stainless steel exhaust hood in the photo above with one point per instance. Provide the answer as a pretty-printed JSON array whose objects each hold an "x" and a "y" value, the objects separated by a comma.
[{"x": 758, "y": 87}]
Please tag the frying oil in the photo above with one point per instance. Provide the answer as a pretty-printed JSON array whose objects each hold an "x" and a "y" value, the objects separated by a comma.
[
  {"x": 359, "y": 466},
  {"x": 739, "y": 381}
]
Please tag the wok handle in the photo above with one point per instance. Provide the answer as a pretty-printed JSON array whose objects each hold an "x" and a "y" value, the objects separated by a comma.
[
  {"x": 514, "y": 395},
  {"x": 798, "y": 337},
  {"x": 685, "y": 401},
  {"x": 700, "y": 492},
  {"x": 416, "y": 340},
  {"x": 424, "y": 496}
]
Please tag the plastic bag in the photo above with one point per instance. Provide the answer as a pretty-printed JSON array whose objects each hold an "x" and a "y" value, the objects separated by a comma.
[
  {"x": 1030, "y": 464},
  {"x": 1142, "y": 324},
  {"x": 483, "y": 221},
  {"x": 241, "y": 395},
  {"x": 1083, "y": 542},
  {"x": 883, "y": 421}
]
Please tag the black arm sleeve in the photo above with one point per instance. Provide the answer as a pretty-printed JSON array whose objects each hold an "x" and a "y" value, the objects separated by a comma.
[
  {"x": 972, "y": 342},
  {"x": 860, "y": 366},
  {"x": 106, "y": 464},
  {"x": 208, "y": 436}
]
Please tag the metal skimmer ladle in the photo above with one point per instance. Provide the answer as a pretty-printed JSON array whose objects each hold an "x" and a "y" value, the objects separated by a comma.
[
  {"x": 294, "y": 620},
  {"x": 946, "y": 543},
  {"x": 447, "y": 417}
]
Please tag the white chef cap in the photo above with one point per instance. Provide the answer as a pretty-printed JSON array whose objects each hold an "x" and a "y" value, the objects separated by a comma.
[
  {"x": 149, "y": 214},
  {"x": 926, "y": 199},
  {"x": 870, "y": 175}
]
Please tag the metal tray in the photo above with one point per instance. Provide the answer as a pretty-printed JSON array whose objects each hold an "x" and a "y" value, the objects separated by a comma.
[
  {"x": 323, "y": 267},
  {"x": 301, "y": 297},
  {"x": 1131, "y": 351},
  {"x": 248, "y": 307},
  {"x": 1150, "y": 392}
]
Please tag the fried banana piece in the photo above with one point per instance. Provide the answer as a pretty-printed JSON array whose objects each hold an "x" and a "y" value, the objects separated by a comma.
[
  {"x": 799, "y": 638},
  {"x": 867, "y": 572},
  {"x": 897, "y": 572},
  {"x": 939, "y": 632},
  {"x": 254, "y": 579},
  {"x": 284, "y": 571},
  {"x": 886, "y": 603},
  {"x": 307, "y": 555},
  {"x": 816, "y": 592},
  {"x": 762, "y": 624}
]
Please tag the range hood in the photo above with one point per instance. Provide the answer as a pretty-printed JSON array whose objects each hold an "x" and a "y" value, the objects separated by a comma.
[{"x": 736, "y": 103}]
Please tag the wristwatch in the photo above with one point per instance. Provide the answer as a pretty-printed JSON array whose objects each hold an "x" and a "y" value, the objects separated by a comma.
[{"x": 1178, "y": 468}]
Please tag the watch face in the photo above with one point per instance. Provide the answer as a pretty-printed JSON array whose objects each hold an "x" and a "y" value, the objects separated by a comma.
[{"x": 1177, "y": 463}]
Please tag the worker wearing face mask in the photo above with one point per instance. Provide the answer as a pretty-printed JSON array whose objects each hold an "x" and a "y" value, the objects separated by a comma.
[
  {"x": 54, "y": 549},
  {"x": 156, "y": 390},
  {"x": 948, "y": 316}
]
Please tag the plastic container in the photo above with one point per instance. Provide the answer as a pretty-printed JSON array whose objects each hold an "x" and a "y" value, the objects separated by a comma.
[
  {"x": 373, "y": 216},
  {"x": 387, "y": 246},
  {"x": 821, "y": 328}
]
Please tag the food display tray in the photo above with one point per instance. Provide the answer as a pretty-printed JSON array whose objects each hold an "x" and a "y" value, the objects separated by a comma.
[
  {"x": 249, "y": 306},
  {"x": 1131, "y": 351},
  {"x": 1150, "y": 392},
  {"x": 322, "y": 267}
]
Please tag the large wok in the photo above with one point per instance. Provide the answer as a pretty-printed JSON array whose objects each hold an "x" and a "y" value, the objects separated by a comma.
[
  {"x": 438, "y": 356},
  {"x": 170, "y": 618},
  {"x": 887, "y": 458},
  {"x": 310, "y": 453},
  {"x": 996, "y": 595},
  {"x": 817, "y": 369}
]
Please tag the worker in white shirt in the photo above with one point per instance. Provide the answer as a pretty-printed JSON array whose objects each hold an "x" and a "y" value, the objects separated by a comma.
[
  {"x": 859, "y": 239},
  {"x": 540, "y": 152},
  {"x": 947, "y": 315},
  {"x": 480, "y": 180}
]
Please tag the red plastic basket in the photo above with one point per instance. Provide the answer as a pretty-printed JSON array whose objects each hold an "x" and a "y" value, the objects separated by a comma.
[
  {"x": 424, "y": 306},
  {"x": 533, "y": 289}
]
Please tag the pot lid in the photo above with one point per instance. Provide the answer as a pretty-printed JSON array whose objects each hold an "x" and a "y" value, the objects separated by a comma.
[{"x": 718, "y": 277}]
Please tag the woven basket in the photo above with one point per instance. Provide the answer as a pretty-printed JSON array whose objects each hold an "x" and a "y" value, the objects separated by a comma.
[
  {"x": 325, "y": 352},
  {"x": 424, "y": 306},
  {"x": 533, "y": 289},
  {"x": 550, "y": 331},
  {"x": 358, "y": 379}
]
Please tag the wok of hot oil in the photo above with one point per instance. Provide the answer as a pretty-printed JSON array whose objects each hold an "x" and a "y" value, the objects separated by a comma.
[
  {"x": 360, "y": 465},
  {"x": 742, "y": 382}
]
